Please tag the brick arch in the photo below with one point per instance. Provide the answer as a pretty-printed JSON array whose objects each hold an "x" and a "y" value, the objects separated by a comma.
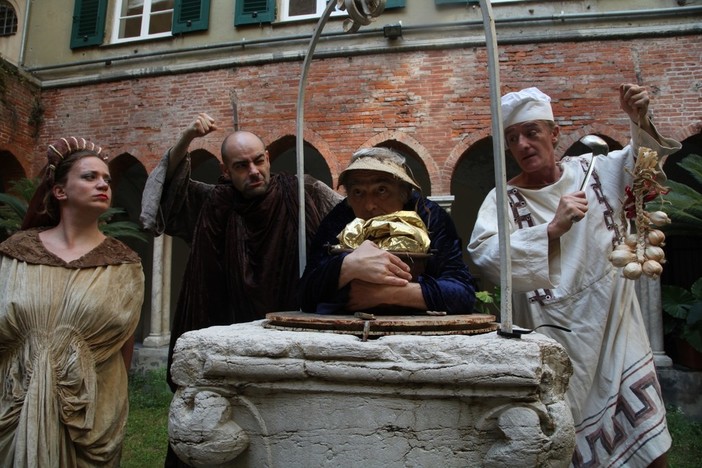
[
  {"x": 200, "y": 155},
  {"x": 435, "y": 175},
  {"x": 11, "y": 168},
  {"x": 122, "y": 161},
  {"x": 129, "y": 177},
  {"x": 284, "y": 132},
  {"x": 574, "y": 135},
  {"x": 458, "y": 151},
  {"x": 689, "y": 130}
]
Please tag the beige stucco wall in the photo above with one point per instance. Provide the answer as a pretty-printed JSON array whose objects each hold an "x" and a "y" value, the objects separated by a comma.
[{"x": 426, "y": 25}]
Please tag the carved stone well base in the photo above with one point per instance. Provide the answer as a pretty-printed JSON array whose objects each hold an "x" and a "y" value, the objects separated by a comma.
[{"x": 250, "y": 396}]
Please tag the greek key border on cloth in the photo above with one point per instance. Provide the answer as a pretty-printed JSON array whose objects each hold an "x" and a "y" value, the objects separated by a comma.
[{"x": 636, "y": 410}]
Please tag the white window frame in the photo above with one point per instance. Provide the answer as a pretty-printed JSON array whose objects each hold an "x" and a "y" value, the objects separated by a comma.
[
  {"x": 321, "y": 6},
  {"x": 145, "y": 20}
]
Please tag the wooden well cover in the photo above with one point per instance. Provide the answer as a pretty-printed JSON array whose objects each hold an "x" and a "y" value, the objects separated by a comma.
[{"x": 380, "y": 325}]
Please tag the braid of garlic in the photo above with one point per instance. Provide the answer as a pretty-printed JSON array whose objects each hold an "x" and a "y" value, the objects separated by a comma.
[
  {"x": 641, "y": 228},
  {"x": 647, "y": 256}
]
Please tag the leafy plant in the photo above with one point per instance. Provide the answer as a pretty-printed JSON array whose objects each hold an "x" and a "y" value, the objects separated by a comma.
[
  {"x": 685, "y": 309},
  {"x": 683, "y": 204},
  {"x": 120, "y": 229},
  {"x": 13, "y": 207},
  {"x": 488, "y": 302}
]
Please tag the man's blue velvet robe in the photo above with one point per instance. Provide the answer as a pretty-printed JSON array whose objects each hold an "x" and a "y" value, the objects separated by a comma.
[{"x": 446, "y": 283}]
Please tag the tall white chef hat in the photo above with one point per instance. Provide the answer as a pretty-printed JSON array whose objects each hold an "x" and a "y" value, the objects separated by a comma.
[{"x": 524, "y": 105}]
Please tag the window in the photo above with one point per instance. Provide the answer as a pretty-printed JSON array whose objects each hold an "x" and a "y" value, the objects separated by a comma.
[
  {"x": 263, "y": 11},
  {"x": 304, "y": 9},
  {"x": 8, "y": 19},
  {"x": 141, "y": 19},
  {"x": 149, "y": 19},
  {"x": 468, "y": 2},
  {"x": 137, "y": 19}
]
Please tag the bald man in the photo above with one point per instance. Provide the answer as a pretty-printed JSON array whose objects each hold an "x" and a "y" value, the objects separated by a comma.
[{"x": 242, "y": 232}]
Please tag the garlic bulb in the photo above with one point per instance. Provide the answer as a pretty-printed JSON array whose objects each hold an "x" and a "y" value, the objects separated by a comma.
[
  {"x": 652, "y": 269},
  {"x": 631, "y": 240},
  {"x": 653, "y": 252},
  {"x": 659, "y": 218},
  {"x": 633, "y": 270},
  {"x": 625, "y": 247},
  {"x": 656, "y": 237},
  {"x": 620, "y": 257}
]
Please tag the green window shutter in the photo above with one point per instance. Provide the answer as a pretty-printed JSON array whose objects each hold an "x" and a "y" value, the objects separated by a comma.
[
  {"x": 254, "y": 12},
  {"x": 190, "y": 16},
  {"x": 88, "y": 23},
  {"x": 394, "y": 4}
]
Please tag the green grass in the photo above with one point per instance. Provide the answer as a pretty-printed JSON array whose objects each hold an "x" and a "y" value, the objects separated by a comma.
[
  {"x": 146, "y": 440},
  {"x": 686, "y": 451},
  {"x": 147, "y": 428}
]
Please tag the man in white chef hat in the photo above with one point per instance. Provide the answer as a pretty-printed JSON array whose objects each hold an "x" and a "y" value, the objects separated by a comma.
[{"x": 560, "y": 239}]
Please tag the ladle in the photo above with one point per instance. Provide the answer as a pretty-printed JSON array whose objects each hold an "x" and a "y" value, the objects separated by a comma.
[{"x": 599, "y": 147}]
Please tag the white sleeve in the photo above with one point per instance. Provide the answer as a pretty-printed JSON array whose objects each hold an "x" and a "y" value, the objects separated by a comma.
[{"x": 533, "y": 265}]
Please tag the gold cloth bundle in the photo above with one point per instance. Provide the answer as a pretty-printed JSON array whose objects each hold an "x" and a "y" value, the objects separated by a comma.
[{"x": 401, "y": 231}]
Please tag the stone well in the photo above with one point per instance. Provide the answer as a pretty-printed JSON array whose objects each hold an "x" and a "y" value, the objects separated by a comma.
[{"x": 252, "y": 396}]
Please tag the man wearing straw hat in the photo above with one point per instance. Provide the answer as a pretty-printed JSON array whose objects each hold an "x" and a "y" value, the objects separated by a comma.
[
  {"x": 560, "y": 237},
  {"x": 379, "y": 186}
]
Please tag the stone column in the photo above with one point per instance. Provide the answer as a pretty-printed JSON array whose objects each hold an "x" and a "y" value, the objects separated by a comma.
[
  {"x": 166, "y": 288},
  {"x": 649, "y": 293},
  {"x": 159, "y": 333},
  {"x": 444, "y": 201}
]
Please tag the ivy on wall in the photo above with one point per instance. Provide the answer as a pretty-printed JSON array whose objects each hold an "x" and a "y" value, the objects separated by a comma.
[{"x": 11, "y": 74}]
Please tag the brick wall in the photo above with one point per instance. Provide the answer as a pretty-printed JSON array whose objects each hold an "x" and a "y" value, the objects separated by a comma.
[
  {"x": 19, "y": 108},
  {"x": 434, "y": 101}
]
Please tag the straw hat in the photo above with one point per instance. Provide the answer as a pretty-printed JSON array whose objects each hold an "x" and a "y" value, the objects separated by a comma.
[{"x": 376, "y": 161}]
